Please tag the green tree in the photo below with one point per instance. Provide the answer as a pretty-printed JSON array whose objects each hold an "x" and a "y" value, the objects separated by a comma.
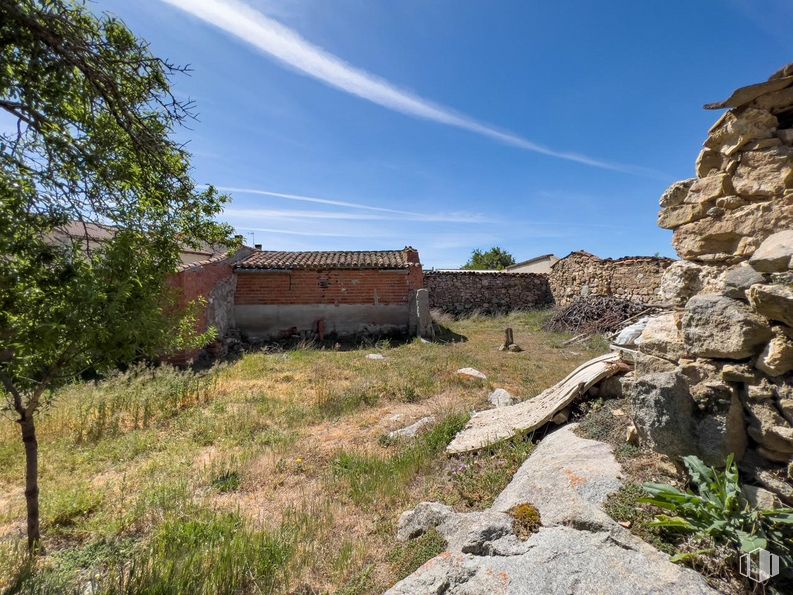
[
  {"x": 494, "y": 259},
  {"x": 92, "y": 143}
]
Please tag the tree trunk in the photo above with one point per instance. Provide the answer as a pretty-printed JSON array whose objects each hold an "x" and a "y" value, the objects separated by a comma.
[{"x": 31, "y": 479}]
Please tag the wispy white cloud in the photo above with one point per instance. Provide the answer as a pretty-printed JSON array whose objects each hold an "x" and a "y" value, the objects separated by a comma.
[
  {"x": 313, "y": 199},
  {"x": 296, "y": 214},
  {"x": 292, "y": 232},
  {"x": 288, "y": 47}
]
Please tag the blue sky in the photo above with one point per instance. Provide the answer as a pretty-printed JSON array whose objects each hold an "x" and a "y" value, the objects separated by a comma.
[{"x": 451, "y": 125}]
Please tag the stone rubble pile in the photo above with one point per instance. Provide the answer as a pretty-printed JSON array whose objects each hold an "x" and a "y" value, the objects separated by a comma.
[{"x": 715, "y": 375}]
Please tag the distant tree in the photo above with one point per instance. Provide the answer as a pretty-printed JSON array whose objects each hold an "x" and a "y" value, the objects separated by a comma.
[
  {"x": 493, "y": 259},
  {"x": 93, "y": 114}
]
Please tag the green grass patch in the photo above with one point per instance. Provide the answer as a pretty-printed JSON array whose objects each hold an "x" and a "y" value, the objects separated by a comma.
[
  {"x": 477, "y": 479},
  {"x": 406, "y": 557},
  {"x": 371, "y": 478},
  {"x": 207, "y": 552},
  {"x": 228, "y": 481},
  {"x": 69, "y": 508}
]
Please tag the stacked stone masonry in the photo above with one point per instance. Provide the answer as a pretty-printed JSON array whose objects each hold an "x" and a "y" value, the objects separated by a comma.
[
  {"x": 464, "y": 292},
  {"x": 581, "y": 274},
  {"x": 715, "y": 375}
]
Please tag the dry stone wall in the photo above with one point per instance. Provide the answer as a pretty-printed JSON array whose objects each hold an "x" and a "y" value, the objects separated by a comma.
[
  {"x": 580, "y": 274},
  {"x": 463, "y": 292},
  {"x": 715, "y": 375}
]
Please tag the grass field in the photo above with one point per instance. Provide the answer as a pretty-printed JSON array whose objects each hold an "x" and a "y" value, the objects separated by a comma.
[{"x": 269, "y": 474}]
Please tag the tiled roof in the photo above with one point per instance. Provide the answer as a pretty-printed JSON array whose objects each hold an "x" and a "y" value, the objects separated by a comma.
[{"x": 379, "y": 259}]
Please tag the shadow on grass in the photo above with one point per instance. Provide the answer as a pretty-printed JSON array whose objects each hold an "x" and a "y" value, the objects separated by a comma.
[{"x": 444, "y": 334}]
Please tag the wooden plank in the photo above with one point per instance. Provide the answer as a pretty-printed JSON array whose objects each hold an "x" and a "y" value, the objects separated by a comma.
[{"x": 494, "y": 425}]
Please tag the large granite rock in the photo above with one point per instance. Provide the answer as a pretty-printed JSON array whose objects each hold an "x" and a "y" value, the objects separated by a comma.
[
  {"x": 663, "y": 413},
  {"x": 719, "y": 327},
  {"x": 775, "y": 302},
  {"x": 738, "y": 279},
  {"x": 578, "y": 549},
  {"x": 567, "y": 478},
  {"x": 558, "y": 560},
  {"x": 684, "y": 279},
  {"x": 775, "y": 254},
  {"x": 661, "y": 337},
  {"x": 681, "y": 281}
]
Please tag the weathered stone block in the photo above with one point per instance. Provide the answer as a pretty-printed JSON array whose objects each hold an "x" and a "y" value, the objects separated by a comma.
[
  {"x": 764, "y": 173},
  {"x": 738, "y": 279},
  {"x": 663, "y": 413},
  {"x": 736, "y": 128},
  {"x": 662, "y": 337},
  {"x": 773, "y": 301},
  {"x": 720, "y": 327},
  {"x": 676, "y": 193},
  {"x": 776, "y": 359},
  {"x": 775, "y": 254}
]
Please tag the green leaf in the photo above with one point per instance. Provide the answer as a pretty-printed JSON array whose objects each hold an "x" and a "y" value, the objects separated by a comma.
[
  {"x": 749, "y": 542},
  {"x": 699, "y": 471},
  {"x": 670, "y": 522}
]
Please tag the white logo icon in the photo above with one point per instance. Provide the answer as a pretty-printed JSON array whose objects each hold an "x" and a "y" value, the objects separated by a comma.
[{"x": 759, "y": 565}]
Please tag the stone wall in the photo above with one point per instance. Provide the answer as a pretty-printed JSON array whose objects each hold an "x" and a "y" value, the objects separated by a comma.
[
  {"x": 580, "y": 274},
  {"x": 463, "y": 292},
  {"x": 715, "y": 375}
]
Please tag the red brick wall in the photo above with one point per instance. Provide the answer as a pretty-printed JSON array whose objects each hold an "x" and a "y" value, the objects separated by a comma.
[
  {"x": 199, "y": 281},
  {"x": 328, "y": 287}
]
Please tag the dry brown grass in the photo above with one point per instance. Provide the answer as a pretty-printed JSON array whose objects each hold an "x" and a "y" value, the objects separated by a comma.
[{"x": 278, "y": 424}]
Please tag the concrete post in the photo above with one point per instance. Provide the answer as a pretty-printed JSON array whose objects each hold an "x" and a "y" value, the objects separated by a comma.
[
  {"x": 424, "y": 320},
  {"x": 413, "y": 315}
]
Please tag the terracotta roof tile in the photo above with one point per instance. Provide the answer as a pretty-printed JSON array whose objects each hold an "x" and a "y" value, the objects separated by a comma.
[{"x": 374, "y": 259}]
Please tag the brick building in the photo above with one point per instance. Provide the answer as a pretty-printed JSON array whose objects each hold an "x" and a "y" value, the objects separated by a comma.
[{"x": 342, "y": 293}]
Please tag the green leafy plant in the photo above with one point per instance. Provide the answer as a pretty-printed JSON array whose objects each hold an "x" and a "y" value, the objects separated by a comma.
[{"x": 718, "y": 509}]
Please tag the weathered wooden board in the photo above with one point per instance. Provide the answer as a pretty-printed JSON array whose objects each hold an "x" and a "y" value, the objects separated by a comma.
[{"x": 494, "y": 425}]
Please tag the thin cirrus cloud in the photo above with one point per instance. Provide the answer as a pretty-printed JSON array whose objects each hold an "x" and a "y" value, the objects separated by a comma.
[
  {"x": 382, "y": 213},
  {"x": 288, "y": 47},
  {"x": 324, "y": 234},
  {"x": 297, "y": 214}
]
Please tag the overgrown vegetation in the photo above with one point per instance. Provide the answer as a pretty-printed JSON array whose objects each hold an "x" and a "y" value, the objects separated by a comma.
[
  {"x": 716, "y": 508},
  {"x": 370, "y": 478},
  {"x": 476, "y": 479},
  {"x": 257, "y": 445}
]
